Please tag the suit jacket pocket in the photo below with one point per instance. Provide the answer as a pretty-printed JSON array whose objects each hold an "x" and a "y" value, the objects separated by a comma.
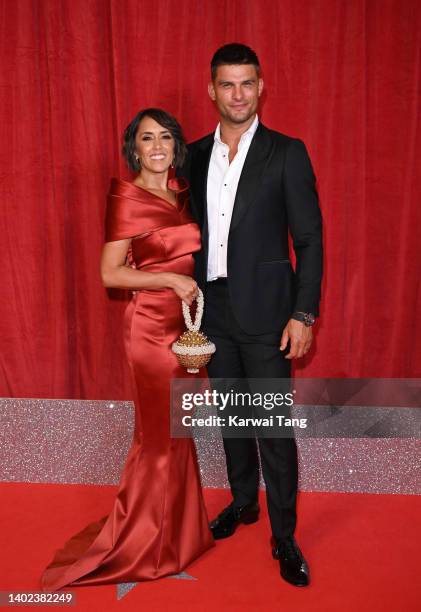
[
  {"x": 274, "y": 283},
  {"x": 273, "y": 261}
]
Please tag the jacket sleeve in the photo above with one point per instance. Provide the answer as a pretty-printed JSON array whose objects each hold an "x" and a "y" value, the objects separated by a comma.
[{"x": 305, "y": 225}]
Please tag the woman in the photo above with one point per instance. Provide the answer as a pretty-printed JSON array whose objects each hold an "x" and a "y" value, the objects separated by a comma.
[{"x": 158, "y": 524}]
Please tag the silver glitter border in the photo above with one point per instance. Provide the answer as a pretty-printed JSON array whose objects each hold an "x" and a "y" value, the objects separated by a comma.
[{"x": 60, "y": 441}]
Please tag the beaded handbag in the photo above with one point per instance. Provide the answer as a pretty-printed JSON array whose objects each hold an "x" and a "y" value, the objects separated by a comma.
[{"x": 193, "y": 349}]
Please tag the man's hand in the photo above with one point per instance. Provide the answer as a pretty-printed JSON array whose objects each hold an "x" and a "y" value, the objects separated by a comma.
[{"x": 300, "y": 337}]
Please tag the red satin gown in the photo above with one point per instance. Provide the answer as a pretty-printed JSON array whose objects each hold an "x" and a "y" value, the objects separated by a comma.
[{"x": 158, "y": 524}]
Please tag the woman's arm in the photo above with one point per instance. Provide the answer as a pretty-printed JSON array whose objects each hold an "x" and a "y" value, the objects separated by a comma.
[{"x": 115, "y": 273}]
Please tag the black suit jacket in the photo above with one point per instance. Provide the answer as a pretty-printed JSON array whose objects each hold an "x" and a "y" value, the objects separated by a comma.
[{"x": 276, "y": 194}]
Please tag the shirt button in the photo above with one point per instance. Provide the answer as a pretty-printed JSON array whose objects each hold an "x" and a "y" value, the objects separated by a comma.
[
  {"x": 222, "y": 245},
  {"x": 223, "y": 214}
]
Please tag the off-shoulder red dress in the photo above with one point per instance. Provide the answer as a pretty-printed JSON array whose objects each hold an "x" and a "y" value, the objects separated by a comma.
[{"x": 158, "y": 524}]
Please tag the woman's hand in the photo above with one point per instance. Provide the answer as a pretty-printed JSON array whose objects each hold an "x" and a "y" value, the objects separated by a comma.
[{"x": 185, "y": 287}]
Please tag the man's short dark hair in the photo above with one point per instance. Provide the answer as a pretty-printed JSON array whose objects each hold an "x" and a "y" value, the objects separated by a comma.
[
  {"x": 234, "y": 54},
  {"x": 168, "y": 122}
]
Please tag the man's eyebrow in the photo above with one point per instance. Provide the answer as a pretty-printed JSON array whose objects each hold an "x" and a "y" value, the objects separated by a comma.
[{"x": 250, "y": 80}]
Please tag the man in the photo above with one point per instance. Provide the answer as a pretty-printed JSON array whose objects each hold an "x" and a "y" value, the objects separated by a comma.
[{"x": 249, "y": 187}]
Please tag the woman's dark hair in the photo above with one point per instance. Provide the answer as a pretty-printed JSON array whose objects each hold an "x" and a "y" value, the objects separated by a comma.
[
  {"x": 168, "y": 122},
  {"x": 234, "y": 54}
]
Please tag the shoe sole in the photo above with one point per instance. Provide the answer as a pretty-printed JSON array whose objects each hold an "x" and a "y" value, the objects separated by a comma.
[{"x": 297, "y": 584}]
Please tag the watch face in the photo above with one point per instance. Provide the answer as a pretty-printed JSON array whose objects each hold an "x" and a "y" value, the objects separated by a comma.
[
  {"x": 305, "y": 317},
  {"x": 310, "y": 319}
]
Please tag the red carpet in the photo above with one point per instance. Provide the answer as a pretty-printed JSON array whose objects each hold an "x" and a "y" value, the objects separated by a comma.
[{"x": 363, "y": 551}]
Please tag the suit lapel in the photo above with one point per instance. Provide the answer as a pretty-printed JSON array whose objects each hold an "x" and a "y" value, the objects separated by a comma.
[
  {"x": 199, "y": 180},
  {"x": 251, "y": 175}
]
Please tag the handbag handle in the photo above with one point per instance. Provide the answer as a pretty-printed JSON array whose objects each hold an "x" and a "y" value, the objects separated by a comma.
[{"x": 194, "y": 326}]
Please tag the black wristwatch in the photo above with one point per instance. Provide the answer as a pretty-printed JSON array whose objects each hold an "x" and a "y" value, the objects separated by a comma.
[{"x": 305, "y": 317}]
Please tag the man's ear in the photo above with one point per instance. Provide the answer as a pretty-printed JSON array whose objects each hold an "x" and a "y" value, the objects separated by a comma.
[
  {"x": 260, "y": 87},
  {"x": 211, "y": 90}
]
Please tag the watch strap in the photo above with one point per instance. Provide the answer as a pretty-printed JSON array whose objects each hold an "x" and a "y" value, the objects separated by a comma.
[{"x": 305, "y": 317}]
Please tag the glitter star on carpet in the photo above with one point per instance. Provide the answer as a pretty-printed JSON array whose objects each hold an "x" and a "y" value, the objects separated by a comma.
[{"x": 125, "y": 587}]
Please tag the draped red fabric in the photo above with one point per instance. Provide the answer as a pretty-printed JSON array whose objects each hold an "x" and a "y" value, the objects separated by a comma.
[{"x": 343, "y": 76}]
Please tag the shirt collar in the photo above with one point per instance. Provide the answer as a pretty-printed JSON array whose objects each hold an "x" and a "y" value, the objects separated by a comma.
[{"x": 247, "y": 135}]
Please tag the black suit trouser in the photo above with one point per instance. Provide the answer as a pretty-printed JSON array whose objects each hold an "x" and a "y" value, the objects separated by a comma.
[{"x": 239, "y": 356}]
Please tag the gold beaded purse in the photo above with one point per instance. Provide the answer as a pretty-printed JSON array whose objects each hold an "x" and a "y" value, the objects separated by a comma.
[{"x": 193, "y": 349}]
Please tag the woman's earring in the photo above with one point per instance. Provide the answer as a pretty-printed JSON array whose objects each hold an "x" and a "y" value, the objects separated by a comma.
[
  {"x": 138, "y": 160},
  {"x": 173, "y": 163}
]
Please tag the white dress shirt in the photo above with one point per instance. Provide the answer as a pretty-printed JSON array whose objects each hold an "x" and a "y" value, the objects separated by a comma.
[{"x": 222, "y": 186}]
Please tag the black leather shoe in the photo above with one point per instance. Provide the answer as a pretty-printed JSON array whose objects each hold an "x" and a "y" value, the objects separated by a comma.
[
  {"x": 294, "y": 568},
  {"x": 227, "y": 522}
]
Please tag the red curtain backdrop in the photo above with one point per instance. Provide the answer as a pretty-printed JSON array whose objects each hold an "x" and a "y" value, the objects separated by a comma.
[{"x": 342, "y": 75}]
